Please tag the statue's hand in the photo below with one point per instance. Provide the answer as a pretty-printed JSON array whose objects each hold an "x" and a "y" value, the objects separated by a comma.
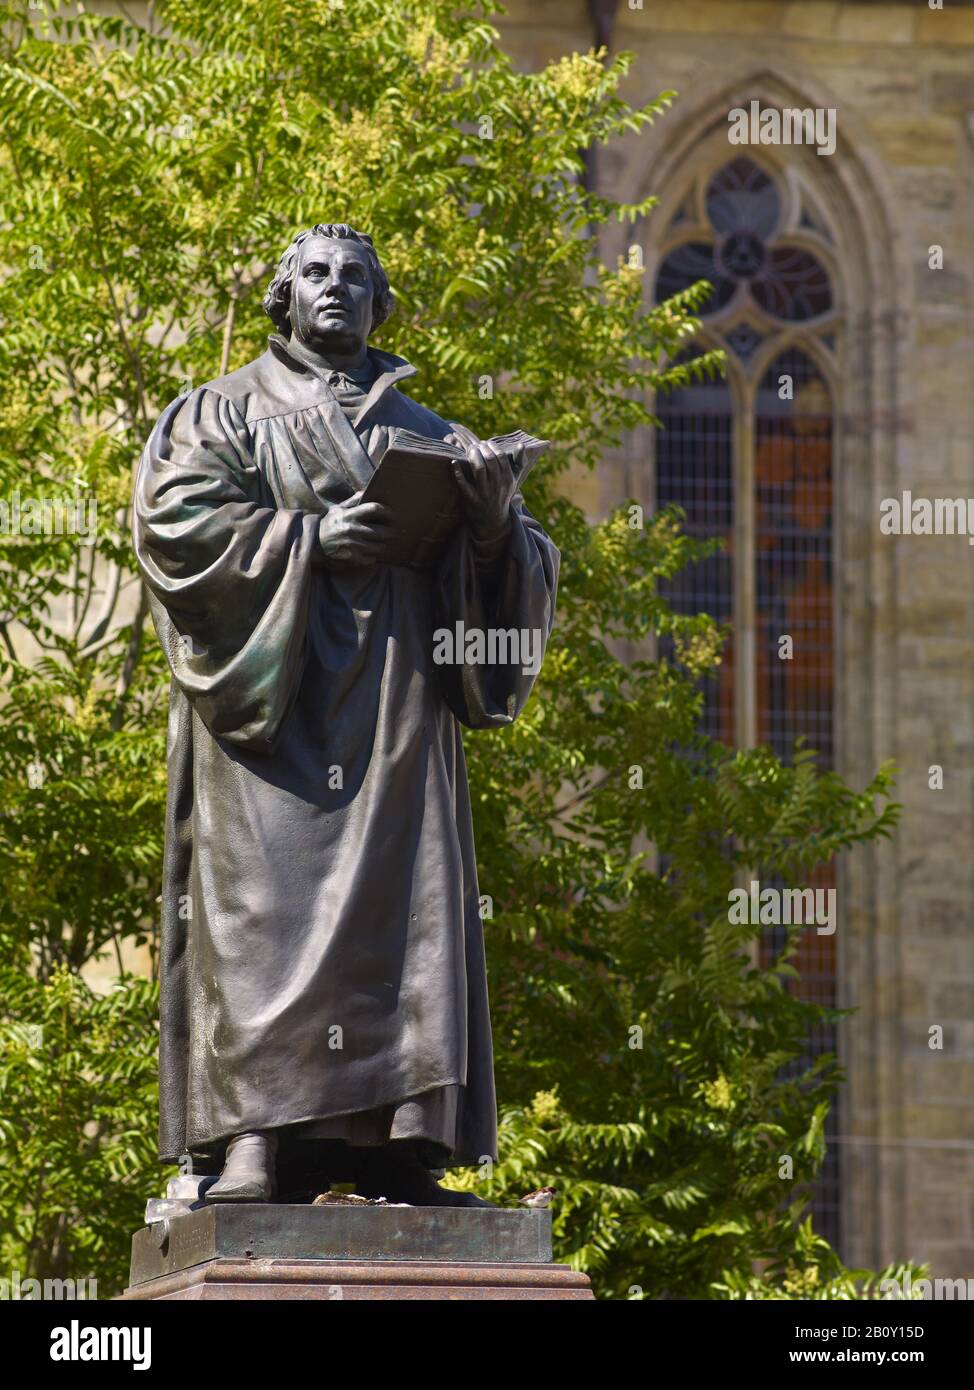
[
  {"x": 355, "y": 532},
  {"x": 487, "y": 483}
]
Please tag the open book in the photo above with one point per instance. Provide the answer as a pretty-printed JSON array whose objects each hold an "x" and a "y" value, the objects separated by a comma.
[{"x": 414, "y": 478}]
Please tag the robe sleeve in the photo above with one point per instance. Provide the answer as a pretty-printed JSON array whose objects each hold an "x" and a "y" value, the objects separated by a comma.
[
  {"x": 228, "y": 576},
  {"x": 512, "y": 589}
]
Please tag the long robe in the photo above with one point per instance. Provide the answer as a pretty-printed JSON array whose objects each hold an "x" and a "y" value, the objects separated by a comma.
[{"x": 322, "y": 945}]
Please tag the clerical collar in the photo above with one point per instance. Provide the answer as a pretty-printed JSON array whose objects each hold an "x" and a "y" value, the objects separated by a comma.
[
  {"x": 388, "y": 368},
  {"x": 339, "y": 378}
]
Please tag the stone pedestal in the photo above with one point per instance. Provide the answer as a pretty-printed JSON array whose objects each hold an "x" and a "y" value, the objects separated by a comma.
[{"x": 334, "y": 1252}]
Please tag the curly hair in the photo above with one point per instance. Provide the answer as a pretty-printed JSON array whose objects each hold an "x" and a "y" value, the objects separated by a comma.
[{"x": 277, "y": 300}]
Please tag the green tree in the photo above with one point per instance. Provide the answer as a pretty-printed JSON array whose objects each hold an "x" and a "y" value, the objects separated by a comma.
[{"x": 149, "y": 178}]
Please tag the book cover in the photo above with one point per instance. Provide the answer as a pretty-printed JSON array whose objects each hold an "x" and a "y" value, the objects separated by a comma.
[{"x": 414, "y": 479}]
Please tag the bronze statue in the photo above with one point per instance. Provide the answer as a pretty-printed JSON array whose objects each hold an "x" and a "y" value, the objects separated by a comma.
[{"x": 324, "y": 1004}]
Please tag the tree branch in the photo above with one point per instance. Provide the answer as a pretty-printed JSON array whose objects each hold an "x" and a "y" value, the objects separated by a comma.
[{"x": 127, "y": 672}]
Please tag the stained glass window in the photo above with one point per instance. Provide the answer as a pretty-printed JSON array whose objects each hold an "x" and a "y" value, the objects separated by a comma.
[
  {"x": 695, "y": 469},
  {"x": 744, "y": 257},
  {"x": 741, "y": 197},
  {"x": 792, "y": 284},
  {"x": 693, "y": 261},
  {"x": 769, "y": 283},
  {"x": 793, "y": 574}
]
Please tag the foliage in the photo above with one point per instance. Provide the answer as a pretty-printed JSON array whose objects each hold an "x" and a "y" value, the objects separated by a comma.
[
  {"x": 646, "y": 1049},
  {"x": 77, "y": 1090},
  {"x": 151, "y": 176}
]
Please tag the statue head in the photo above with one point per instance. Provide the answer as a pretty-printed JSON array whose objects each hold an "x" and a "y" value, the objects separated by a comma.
[{"x": 329, "y": 290}]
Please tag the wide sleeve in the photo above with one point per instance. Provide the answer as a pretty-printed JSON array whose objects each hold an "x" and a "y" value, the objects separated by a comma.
[
  {"x": 228, "y": 575},
  {"x": 514, "y": 592}
]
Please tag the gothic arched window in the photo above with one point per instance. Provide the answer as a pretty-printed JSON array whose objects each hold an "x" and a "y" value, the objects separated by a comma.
[
  {"x": 745, "y": 254},
  {"x": 750, "y": 459}
]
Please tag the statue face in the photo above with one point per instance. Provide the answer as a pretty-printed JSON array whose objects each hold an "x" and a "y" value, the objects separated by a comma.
[{"x": 331, "y": 296}]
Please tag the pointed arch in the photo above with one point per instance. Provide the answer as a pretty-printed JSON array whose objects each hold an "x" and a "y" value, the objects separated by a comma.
[{"x": 840, "y": 209}]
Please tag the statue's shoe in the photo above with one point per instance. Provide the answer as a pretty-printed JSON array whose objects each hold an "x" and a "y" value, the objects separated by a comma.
[
  {"x": 249, "y": 1171},
  {"x": 394, "y": 1171}
]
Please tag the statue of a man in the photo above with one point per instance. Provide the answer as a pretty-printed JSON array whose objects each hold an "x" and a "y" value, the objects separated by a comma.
[{"x": 324, "y": 1003}]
